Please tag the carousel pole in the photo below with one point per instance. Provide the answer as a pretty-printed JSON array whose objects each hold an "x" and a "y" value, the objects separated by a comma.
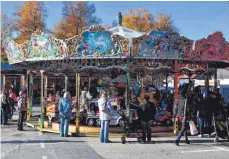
[
  {"x": 42, "y": 99},
  {"x": 166, "y": 86},
  {"x": 77, "y": 102},
  {"x": 176, "y": 81},
  {"x": 22, "y": 82},
  {"x": 3, "y": 81},
  {"x": 46, "y": 86},
  {"x": 128, "y": 79},
  {"x": 66, "y": 83},
  {"x": 206, "y": 83},
  {"x": 215, "y": 80},
  {"x": 29, "y": 95}
]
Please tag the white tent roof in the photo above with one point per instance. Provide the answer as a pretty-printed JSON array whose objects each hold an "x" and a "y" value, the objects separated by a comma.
[{"x": 125, "y": 32}]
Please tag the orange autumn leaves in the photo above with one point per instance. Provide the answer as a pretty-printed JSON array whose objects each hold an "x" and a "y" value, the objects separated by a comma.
[
  {"x": 29, "y": 18},
  {"x": 78, "y": 16},
  {"x": 141, "y": 19}
]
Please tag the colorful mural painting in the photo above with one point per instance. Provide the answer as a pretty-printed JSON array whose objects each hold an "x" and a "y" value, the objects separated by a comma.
[
  {"x": 42, "y": 46},
  {"x": 164, "y": 45},
  {"x": 214, "y": 47},
  {"x": 102, "y": 43},
  {"x": 95, "y": 44}
]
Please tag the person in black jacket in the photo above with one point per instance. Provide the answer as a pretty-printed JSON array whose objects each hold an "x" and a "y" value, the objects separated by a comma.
[
  {"x": 145, "y": 115},
  {"x": 182, "y": 112}
]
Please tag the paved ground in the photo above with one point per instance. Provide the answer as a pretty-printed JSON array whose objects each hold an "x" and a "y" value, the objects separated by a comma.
[{"x": 31, "y": 144}]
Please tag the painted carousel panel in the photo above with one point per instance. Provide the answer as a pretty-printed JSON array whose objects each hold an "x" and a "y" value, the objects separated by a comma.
[
  {"x": 212, "y": 48},
  {"x": 97, "y": 44},
  {"x": 15, "y": 52},
  {"x": 167, "y": 45},
  {"x": 44, "y": 46}
]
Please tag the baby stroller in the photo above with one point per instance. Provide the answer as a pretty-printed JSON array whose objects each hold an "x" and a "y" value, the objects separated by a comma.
[
  {"x": 220, "y": 123},
  {"x": 129, "y": 126}
]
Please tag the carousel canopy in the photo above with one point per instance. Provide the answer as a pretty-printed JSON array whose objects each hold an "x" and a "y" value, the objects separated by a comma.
[
  {"x": 104, "y": 50},
  {"x": 6, "y": 67},
  {"x": 126, "y": 32}
]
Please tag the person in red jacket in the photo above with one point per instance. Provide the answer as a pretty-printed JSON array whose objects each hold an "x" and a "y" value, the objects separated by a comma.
[{"x": 12, "y": 99}]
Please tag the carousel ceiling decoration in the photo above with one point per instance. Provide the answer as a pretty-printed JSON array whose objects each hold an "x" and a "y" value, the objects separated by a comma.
[{"x": 119, "y": 47}]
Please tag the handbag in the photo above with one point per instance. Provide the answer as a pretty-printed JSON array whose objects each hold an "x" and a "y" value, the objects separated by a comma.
[{"x": 193, "y": 128}]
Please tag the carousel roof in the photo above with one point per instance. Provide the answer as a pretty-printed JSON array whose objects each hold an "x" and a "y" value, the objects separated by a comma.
[
  {"x": 126, "y": 32},
  {"x": 98, "y": 49}
]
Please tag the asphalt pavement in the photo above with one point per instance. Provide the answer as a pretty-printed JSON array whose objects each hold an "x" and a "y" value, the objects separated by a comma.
[{"x": 32, "y": 144}]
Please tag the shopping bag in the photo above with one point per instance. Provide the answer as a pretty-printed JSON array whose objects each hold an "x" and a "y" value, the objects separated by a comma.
[{"x": 193, "y": 128}]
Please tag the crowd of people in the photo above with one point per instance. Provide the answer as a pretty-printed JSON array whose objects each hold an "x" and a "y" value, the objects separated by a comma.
[
  {"x": 8, "y": 100},
  {"x": 192, "y": 106}
]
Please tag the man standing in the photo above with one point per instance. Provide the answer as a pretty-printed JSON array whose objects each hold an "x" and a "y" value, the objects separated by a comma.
[
  {"x": 3, "y": 107},
  {"x": 104, "y": 117},
  {"x": 22, "y": 109},
  {"x": 65, "y": 111},
  {"x": 146, "y": 114}
]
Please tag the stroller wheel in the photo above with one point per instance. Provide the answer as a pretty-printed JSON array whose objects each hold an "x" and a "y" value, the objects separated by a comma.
[{"x": 123, "y": 140}]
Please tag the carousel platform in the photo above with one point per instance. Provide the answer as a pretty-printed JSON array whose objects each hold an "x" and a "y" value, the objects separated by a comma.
[{"x": 90, "y": 131}]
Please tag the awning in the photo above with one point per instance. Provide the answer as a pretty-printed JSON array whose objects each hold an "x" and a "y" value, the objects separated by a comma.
[{"x": 126, "y": 32}]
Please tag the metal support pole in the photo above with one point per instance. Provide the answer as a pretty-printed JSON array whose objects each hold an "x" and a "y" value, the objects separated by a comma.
[
  {"x": 3, "y": 81},
  {"x": 22, "y": 82},
  {"x": 128, "y": 95},
  {"x": 128, "y": 79},
  {"x": 77, "y": 101},
  {"x": 66, "y": 83},
  {"x": 166, "y": 82},
  {"x": 176, "y": 81},
  {"x": 215, "y": 80},
  {"x": 42, "y": 100},
  {"x": 45, "y": 87},
  {"x": 28, "y": 97},
  {"x": 207, "y": 83}
]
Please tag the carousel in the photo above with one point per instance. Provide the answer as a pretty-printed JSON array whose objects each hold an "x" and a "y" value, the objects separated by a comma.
[{"x": 98, "y": 53}]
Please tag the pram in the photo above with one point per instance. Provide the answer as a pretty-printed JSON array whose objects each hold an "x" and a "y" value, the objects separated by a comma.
[
  {"x": 129, "y": 126},
  {"x": 221, "y": 127}
]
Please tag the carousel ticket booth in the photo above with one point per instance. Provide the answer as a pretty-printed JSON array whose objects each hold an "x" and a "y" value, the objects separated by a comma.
[{"x": 97, "y": 54}]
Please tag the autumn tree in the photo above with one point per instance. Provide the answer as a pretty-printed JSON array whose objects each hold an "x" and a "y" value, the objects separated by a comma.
[
  {"x": 6, "y": 26},
  {"x": 6, "y": 31},
  {"x": 142, "y": 20},
  {"x": 29, "y": 18},
  {"x": 77, "y": 16}
]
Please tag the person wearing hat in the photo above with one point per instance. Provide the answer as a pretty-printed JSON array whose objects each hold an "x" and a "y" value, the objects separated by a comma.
[
  {"x": 105, "y": 116},
  {"x": 21, "y": 100}
]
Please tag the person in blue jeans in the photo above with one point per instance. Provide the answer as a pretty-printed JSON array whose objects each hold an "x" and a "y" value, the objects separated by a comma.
[
  {"x": 65, "y": 112},
  {"x": 104, "y": 117}
]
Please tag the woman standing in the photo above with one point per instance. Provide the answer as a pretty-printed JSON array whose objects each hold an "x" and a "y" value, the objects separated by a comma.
[
  {"x": 22, "y": 109},
  {"x": 104, "y": 117},
  {"x": 65, "y": 112}
]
